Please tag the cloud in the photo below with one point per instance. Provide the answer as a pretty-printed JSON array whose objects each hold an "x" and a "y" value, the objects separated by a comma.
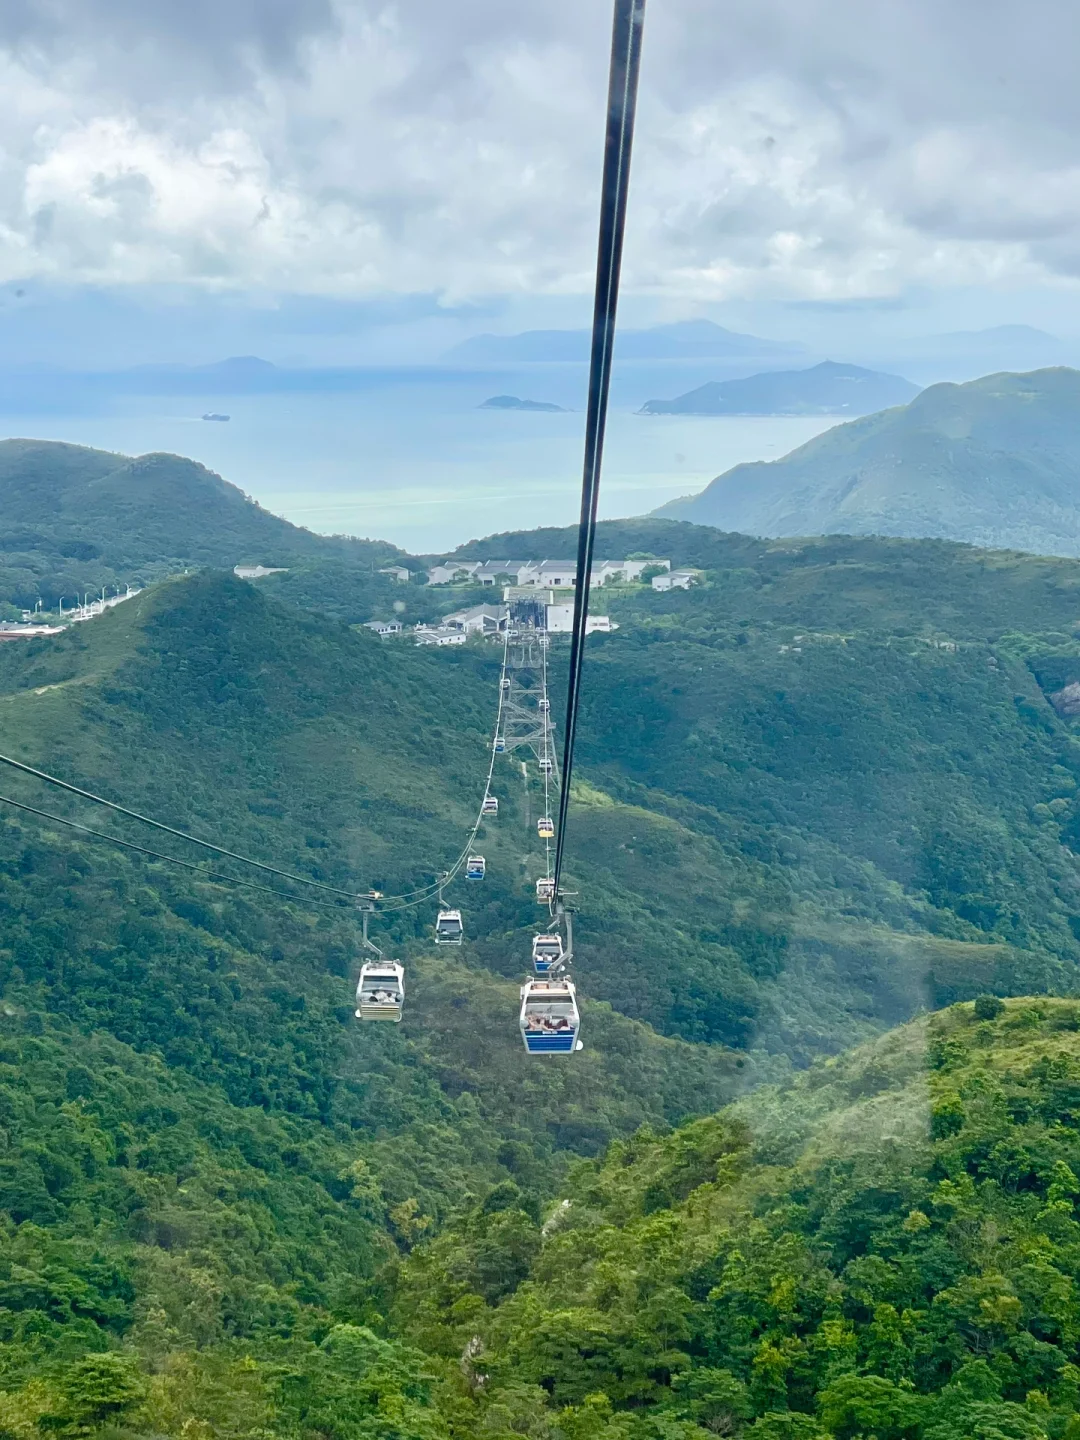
[{"x": 811, "y": 151}]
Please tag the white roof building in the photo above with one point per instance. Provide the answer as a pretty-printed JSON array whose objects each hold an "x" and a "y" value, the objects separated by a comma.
[
  {"x": 676, "y": 580},
  {"x": 482, "y": 619},
  {"x": 383, "y": 627},
  {"x": 399, "y": 572},
  {"x": 426, "y": 635}
]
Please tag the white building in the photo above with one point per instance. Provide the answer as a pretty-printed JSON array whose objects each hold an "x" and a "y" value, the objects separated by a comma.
[
  {"x": 676, "y": 580},
  {"x": 383, "y": 627},
  {"x": 492, "y": 571},
  {"x": 426, "y": 635},
  {"x": 478, "y": 619},
  {"x": 399, "y": 573},
  {"x": 456, "y": 570},
  {"x": 556, "y": 574},
  {"x": 256, "y": 572},
  {"x": 560, "y": 620},
  {"x": 627, "y": 570}
]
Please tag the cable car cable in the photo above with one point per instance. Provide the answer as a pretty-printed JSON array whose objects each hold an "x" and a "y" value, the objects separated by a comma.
[
  {"x": 171, "y": 830},
  {"x": 622, "y": 99},
  {"x": 212, "y": 875}
]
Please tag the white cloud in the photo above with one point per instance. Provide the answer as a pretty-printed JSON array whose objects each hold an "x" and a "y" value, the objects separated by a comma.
[{"x": 791, "y": 149}]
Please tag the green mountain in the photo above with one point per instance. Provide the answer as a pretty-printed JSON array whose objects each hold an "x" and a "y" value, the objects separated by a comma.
[
  {"x": 825, "y": 389},
  {"x": 76, "y": 519},
  {"x": 993, "y": 462}
]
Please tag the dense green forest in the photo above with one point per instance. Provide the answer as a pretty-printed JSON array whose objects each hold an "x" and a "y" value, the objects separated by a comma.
[
  {"x": 828, "y": 788},
  {"x": 886, "y": 1246}
]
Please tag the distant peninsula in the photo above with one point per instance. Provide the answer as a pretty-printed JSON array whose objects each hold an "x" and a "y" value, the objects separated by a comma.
[
  {"x": 511, "y": 402},
  {"x": 825, "y": 389}
]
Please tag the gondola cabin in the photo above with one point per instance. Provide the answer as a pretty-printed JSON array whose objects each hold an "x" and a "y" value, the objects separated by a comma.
[
  {"x": 504, "y": 684},
  {"x": 500, "y": 745},
  {"x": 490, "y": 805},
  {"x": 545, "y": 828},
  {"x": 380, "y": 993},
  {"x": 448, "y": 928},
  {"x": 547, "y": 950},
  {"x": 545, "y": 707},
  {"x": 545, "y": 766},
  {"x": 549, "y": 1021},
  {"x": 475, "y": 867},
  {"x": 545, "y": 890}
]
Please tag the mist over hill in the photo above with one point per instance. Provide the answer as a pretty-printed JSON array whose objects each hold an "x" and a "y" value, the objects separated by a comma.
[{"x": 994, "y": 462}]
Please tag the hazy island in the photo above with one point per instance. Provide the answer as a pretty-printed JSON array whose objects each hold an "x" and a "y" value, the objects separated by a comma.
[
  {"x": 825, "y": 389},
  {"x": 511, "y": 402}
]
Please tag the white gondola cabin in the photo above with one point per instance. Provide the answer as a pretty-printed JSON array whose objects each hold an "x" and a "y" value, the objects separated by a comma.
[
  {"x": 545, "y": 827},
  {"x": 448, "y": 928},
  {"x": 490, "y": 805},
  {"x": 545, "y": 706},
  {"x": 475, "y": 867},
  {"x": 545, "y": 890},
  {"x": 547, "y": 952},
  {"x": 380, "y": 992},
  {"x": 500, "y": 745},
  {"x": 545, "y": 766},
  {"x": 504, "y": 684},
  {"x": 549, "y": 1021}
]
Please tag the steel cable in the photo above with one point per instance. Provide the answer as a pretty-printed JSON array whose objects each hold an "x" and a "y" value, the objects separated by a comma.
[{"x": 622, "y": 100}]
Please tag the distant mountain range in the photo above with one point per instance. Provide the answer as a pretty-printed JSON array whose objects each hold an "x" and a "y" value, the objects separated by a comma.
[
  {"x": 995, "y": 462},
  {"x": 684, "y": 340},
  {"x": 825, "y": 389}
]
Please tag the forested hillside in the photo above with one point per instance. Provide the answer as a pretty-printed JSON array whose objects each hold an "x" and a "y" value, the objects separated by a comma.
[
  {"x": 887, "y": 1247},
  {"x": 819, "y": 791},
  {"x": 75, "y": 519}
]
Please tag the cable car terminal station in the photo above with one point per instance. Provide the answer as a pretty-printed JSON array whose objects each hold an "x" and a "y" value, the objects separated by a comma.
[{"x": 524, "y": 733}]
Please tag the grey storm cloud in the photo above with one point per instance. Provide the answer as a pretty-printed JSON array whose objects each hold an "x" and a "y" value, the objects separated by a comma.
[
  {"x": 194, "y": 41},
  {"x": 820, "y": 150}
]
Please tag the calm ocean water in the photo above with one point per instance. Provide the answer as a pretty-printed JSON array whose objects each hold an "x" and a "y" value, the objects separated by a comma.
[{"x": 421, "y": 465}]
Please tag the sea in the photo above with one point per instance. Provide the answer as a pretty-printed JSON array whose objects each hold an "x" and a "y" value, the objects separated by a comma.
[{"x": 422, "y": 465}]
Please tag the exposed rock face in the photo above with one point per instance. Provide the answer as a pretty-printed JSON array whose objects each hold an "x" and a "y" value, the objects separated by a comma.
[{"x": 1067, "y": 701}]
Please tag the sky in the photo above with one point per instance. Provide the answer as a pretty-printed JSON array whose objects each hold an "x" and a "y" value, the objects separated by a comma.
[{"x": 345, "y": 180}]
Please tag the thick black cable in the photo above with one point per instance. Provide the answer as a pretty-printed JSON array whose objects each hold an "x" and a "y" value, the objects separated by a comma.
[
  {"x": 212, "y": 875},
  {"x": 170, "y": 830},
  {"x": 622, "y": 100}
]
